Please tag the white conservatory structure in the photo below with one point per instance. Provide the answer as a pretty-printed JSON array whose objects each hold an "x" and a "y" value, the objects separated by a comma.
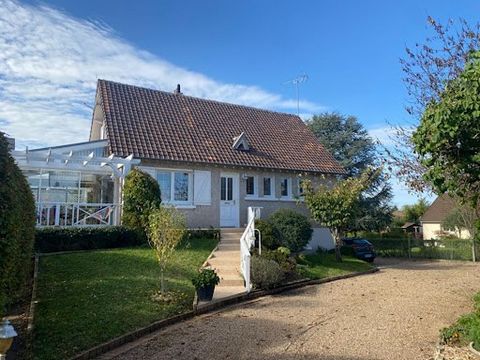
[{"x": 75, "y": 184}]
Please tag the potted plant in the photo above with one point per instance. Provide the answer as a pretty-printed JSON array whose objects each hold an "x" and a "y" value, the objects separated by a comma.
[{"x": 204, "y": 283}]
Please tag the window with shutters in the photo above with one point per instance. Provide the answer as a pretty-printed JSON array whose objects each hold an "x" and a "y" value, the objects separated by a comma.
[{"x": 175, "y": 185}]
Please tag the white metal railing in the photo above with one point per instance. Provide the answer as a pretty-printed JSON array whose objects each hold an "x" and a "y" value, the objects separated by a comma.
[
  {"x": 246, "y": 242},
  {"x": 76, "y": 214}
]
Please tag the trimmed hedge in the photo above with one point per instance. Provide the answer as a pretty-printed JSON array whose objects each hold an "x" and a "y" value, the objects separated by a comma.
[
  {"x": 17, "y": 229},
  {"x": 195, "y": 234},
  {"x": 53, "y": 239}
]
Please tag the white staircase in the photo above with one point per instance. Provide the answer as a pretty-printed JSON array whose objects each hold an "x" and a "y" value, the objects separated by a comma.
[{"x": 226, "y": 262}]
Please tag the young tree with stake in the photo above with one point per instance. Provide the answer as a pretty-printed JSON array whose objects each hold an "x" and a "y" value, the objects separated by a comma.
[{"x": 336, "y": 207}]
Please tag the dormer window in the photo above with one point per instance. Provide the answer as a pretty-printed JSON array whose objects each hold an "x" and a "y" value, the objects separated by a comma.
[{"x": 241, "y": 143}]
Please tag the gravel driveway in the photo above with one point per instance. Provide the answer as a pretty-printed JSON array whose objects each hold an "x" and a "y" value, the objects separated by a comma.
[{"x": 395, "y": 313}]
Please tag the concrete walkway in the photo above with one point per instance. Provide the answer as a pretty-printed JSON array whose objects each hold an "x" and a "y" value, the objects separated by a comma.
[
  {"x": 395, "y": 314},
  {"x": 226, "y": 262}
]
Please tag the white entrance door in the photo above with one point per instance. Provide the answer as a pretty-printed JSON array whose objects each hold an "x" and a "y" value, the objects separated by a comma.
[{"x": 229, "y": 200}]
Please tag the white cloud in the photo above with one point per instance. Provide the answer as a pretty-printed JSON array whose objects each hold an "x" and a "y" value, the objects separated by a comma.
[
  {"x": 385, "y": 135},
  {"x": 49, "y": 63}
]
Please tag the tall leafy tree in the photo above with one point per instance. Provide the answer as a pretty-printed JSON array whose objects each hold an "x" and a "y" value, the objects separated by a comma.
[
  {"x": 350, "y": 144},
  {"x": 448, "y": 137},
  {"x": 427, "y": 67},
  {"x": 413, "y": 213}
]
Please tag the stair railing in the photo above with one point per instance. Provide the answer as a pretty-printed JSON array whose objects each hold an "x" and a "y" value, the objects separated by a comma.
[{"x": 247, "y": 241}]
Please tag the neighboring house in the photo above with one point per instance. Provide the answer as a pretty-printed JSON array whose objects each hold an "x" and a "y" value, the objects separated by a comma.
[
  {"x": 434, "y": 217},
  {"x": 211, "y": 159},
  {"x": 413, "y": 228}
]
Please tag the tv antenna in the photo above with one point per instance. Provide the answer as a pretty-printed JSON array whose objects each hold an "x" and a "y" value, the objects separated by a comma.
[{"x": 300, "y": 79}]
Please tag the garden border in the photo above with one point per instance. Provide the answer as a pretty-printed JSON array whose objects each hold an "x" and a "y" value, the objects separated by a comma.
[
  {"x": 214, "y": 306},
  {"x": 33, "y": 299}
]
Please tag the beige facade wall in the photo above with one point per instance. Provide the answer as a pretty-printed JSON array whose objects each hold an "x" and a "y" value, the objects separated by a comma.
[
  {"x": 432, "y": 230},
  {"x": 204, "y": 216}
]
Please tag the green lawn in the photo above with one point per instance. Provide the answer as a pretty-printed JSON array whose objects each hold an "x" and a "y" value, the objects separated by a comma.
[
  {"x": 318, "y": 266},
  {"x": 91, "y": 297}
]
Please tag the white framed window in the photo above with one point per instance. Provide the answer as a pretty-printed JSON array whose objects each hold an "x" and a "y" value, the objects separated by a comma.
[
  {"x": 175, "y": 186},
  {"x": 251, "y": 186},
  {"x": 268, "y": 187},
  {"x": 164, "y": 179},
  {"x": 285, "y": 188}
]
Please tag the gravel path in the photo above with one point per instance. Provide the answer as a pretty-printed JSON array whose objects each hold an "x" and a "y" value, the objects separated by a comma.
[{"x": 393, "y": 314}]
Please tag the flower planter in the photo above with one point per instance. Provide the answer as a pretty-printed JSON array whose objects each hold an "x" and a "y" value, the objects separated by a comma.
[{"x": 205, "y": 293}]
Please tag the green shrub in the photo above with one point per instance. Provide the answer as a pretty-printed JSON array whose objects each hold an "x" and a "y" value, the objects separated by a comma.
[
  {"x": 292, "y": 229},
  {"x": 266, "y": 230},
  {"x": 205, "y": 277},
  {"x": 194, "y": 234},
  {"x": 17, "y": 229},
  {"x": 265, "y": 273},
  {"x": 53, "y": 239},
  {"x": 282, "y": 258},
  {"x": 141, "y": 194}
]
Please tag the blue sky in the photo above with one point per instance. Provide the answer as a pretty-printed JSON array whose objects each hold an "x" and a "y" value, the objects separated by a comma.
[{"x": 51, "y": 52}]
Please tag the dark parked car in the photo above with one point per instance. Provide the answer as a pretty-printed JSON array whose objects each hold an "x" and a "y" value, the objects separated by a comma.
[{"x": 362, "y": 248}]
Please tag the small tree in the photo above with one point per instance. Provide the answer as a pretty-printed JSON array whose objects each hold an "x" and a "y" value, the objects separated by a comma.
[
  {"x": 165, "y": 230},
  {"x": 413, "y": 213},
  {"x": 141, "y": 194},
  {"x": 336, "y": 207}
]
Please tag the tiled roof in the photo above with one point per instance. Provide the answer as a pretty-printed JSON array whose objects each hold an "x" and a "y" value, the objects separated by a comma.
[
  {"x": 439, "y": 210},
  {"x": 152, "y": 124}
]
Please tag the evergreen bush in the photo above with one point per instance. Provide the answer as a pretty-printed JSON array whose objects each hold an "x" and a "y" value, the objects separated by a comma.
[
  {"x": 292, "y": 229},
  {"x": 17, "y": 229},
  {"x": 141, "y": 195},
  {"x": 265, "y": 273}
]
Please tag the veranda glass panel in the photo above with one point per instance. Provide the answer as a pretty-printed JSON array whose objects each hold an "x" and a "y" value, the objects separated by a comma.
[
  {"x": 96, "y": 189},
  {"x": 59, "y": 186}
]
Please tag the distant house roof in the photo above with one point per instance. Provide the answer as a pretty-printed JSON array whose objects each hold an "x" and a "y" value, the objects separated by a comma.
[
  {"x": 439, "y": 210},
  {"x": 409, "y": 224},
  {"x": 152, "y": 124}
]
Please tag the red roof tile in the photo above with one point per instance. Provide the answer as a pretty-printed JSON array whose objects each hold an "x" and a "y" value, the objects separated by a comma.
[{"x": 152, "y": 124}]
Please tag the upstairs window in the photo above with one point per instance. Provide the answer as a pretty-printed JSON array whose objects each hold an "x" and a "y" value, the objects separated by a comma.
[{"x": 241, "y": 143}]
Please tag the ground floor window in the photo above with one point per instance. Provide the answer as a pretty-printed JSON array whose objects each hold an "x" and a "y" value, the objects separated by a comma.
[
  {"x": 175, "y": 186},
  {"x": 267, "y": 186},
  {"x": 250, "y": 185},
  {"x": 285, "y": 187}
]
